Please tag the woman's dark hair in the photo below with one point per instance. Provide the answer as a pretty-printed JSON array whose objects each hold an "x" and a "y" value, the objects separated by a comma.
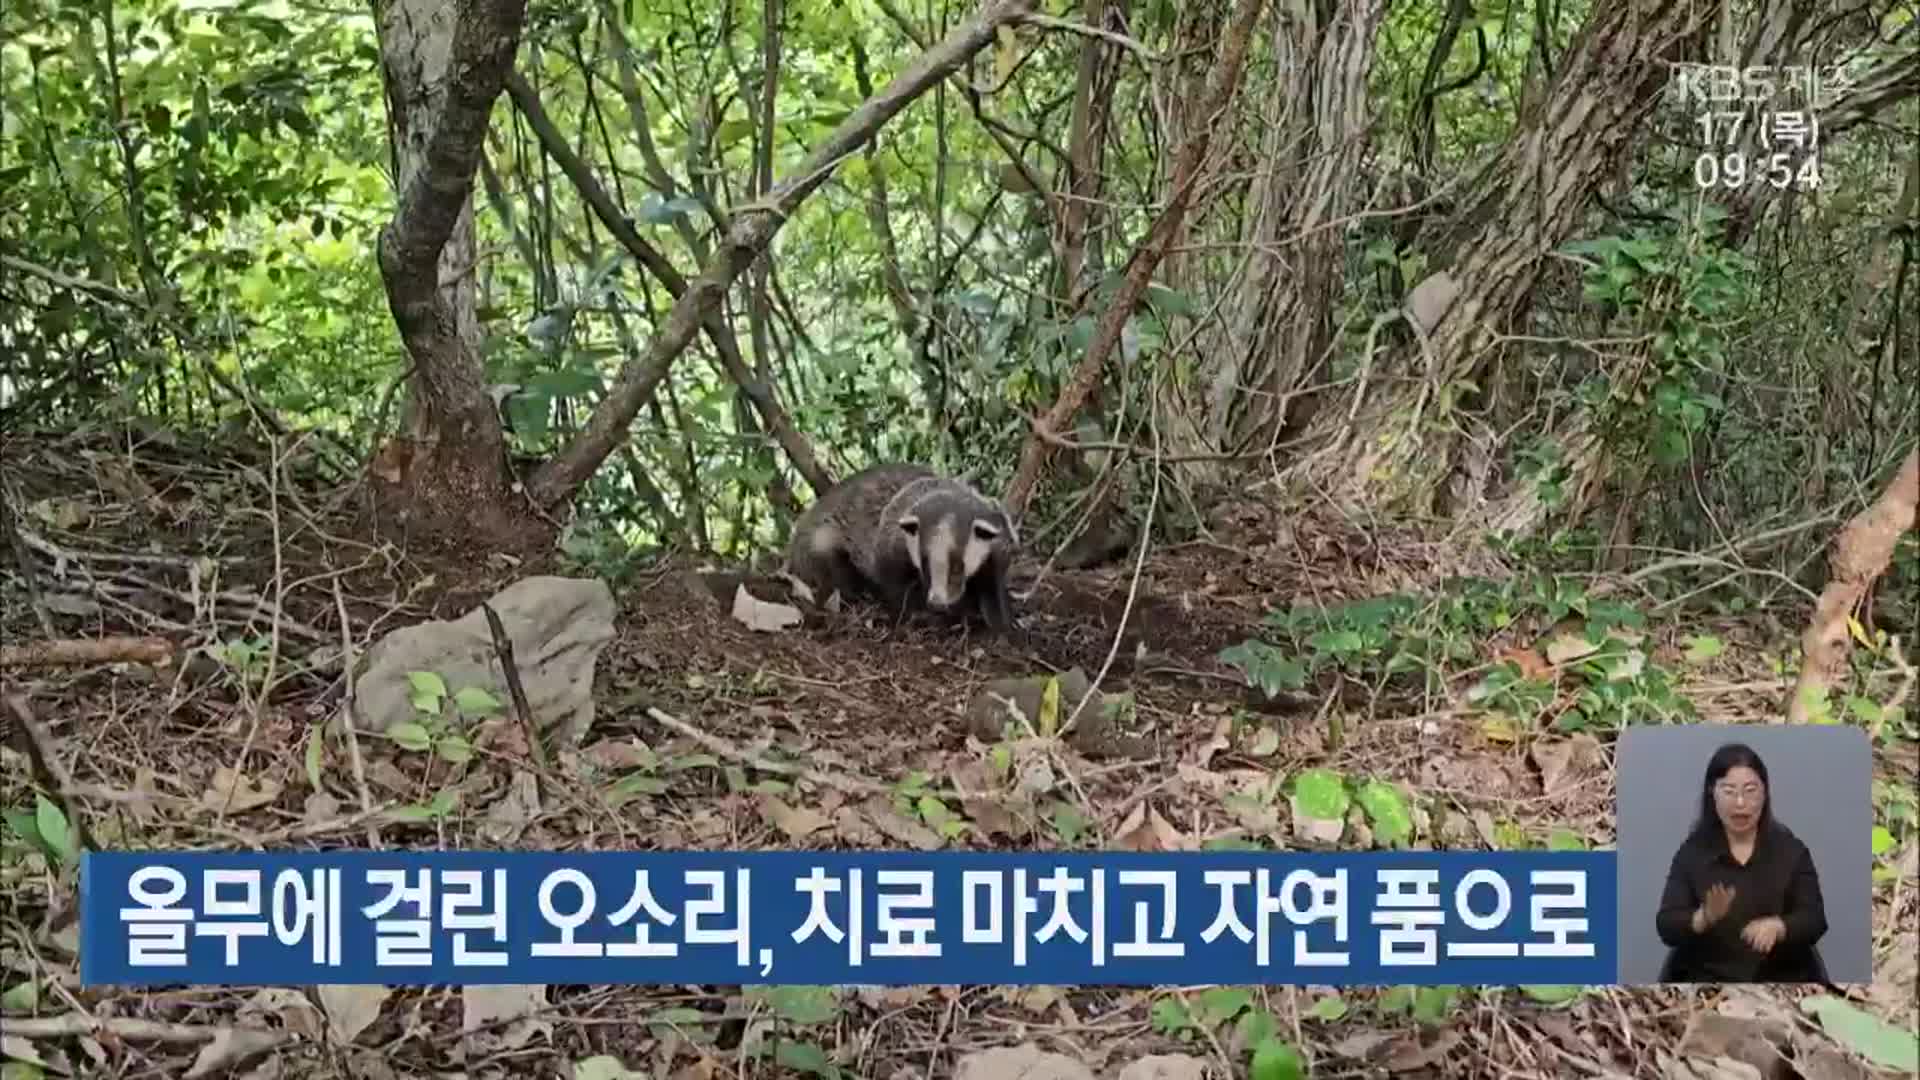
[{"x": 1724, "y": 760}]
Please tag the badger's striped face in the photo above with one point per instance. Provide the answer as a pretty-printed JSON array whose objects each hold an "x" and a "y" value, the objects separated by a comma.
[{"x": 948, "y": 553}]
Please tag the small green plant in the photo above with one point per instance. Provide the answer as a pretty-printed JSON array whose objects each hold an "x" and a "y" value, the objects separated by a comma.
[
  {"x": 1671, "y": 281},
  {"x": 796, "y": 1007},
  {"x": 435, "y": 711},
  {"x": 1255, "y": 1028},
  {"x": 46, "y": 830},
  {"x": 914, "y": 798},
  {"x": 1321, "y": 798},
  {"x": 244, "y": 658},
  {"x": 1416, "y": 643}
]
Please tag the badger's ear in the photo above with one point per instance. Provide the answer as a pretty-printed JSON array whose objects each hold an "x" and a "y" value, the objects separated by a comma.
[{"x": 910, "y": 524}]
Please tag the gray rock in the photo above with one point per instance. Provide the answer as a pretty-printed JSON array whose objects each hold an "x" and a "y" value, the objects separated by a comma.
[{"x": 558, "y": 627}]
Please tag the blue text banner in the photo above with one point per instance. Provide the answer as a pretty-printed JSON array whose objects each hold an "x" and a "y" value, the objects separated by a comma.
[{"x": 840, "y": 917}]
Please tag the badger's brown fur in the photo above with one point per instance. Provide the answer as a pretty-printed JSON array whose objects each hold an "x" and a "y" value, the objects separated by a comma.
[{"x": 910, "y": 537}]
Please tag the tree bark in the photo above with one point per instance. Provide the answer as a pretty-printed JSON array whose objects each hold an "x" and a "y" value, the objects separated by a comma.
[
  {"x": 444, "y": 65},
  {"x": 752, "y": 229},
  {"x": 1282, "y": 325},
  {"x": 1860, "y": 555},
  {"x": 1526, "y": 202},
  {"x": 1221, "y": 84}
]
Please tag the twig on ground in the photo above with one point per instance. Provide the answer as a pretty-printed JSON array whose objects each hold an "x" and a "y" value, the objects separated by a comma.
[
  {"x": 726, "y": 749},
  {"x": 348, "y": 661},
  {"x": 503, "y": 648},
  {"x": 126, "y": 1027},
  {"x": 74, "y": 652}
]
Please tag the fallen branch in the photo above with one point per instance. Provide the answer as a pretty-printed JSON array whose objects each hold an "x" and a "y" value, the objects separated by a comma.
[
  {"x": 727, "y": 750},
  {"x": 73, "y": 652},
  {"x": 1221, "y": 83},
  {"x": 753, "y": 228},
  {"x": 1860, "y": 555},
  {"x": 126, "y": 1027}
]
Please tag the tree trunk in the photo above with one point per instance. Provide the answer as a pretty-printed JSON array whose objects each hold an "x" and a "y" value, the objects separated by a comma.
[
  {"x": 445, "y": 474},
  {"x": 752, "y": 229},
  {"x": 1396, "y": 448},
  {"x": 1860, "y": 555},
  {"x": 1316, "y": 139}
]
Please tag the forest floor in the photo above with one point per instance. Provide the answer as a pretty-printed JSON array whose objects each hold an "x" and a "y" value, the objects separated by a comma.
[{"x": 710, "y": 734}]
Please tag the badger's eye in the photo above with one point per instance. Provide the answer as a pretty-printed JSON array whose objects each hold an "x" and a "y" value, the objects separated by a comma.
[{"x": 985, "y": 531}]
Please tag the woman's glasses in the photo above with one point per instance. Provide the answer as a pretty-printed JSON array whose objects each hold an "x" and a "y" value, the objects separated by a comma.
[{"x": 1745, "y": 793}]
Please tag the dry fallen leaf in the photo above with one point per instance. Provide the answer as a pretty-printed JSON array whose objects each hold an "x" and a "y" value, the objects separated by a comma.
[
  {"x": 231, "y": 1046},
  {"x": 895, "y": 827},
  {"x": 247, "y": 794},
  {"x": 482, "y": 1005},
  {"x": 1411, "y": 1055},
  {"x": 1027, "y": 1062},
  {"x": 797, "y": 822},
  {"x": 1569, "y": 647},
  {"x": 1165, "y": 1067},
  {"x": 351, "y": 1009},
  {"x": 1552, "y": 757},
  {"x": 509, "y": 816},
  {"x": 758, "y": 614},
  {"x": 294, "y": 1010},
  {"x": 1146, "y": 830}
]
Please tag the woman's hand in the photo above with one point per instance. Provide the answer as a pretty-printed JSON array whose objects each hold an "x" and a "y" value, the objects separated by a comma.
[
  {"x": 1762, "y": 934},
  {"x": 1714, "y": 908}
]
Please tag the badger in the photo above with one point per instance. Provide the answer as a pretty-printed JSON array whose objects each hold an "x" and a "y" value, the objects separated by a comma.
[{"x": 910, "y": 537}]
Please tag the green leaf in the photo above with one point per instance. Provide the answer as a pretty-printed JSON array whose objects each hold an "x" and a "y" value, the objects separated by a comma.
[
  {"x": 1551, "y": 994},
  {"x": 1321, "y": 794},
  {"x": 1387, "y": 810},
  {"x": 804, "y": 1005},
  {"x": 1565, "y": 839},
  {"x": 1882, "y": 841},
  {"x": 1223, "y": 1003},
  {"x": 23, "y": 826},
  {"x": 410, "y": 736},
  {"x": 1329, "y": 1008},
  {"x": 476, "y": 702},
  {"x": 1265, "y": 667},
  {"x": 806, "y": 1057},
  {"x": 633, "y": 785},
  {"x": 1256, "y": 1027},
  {"x": 1169, "y": 1015},
  {"x": 1703, "y": 647},
  {"x": 52, "y": 823},
  {"x": 427, "y": 683},
  {"x": 21, "y": 997},
  {"x": 1275, "y": 1060},
  {"x": 604, "y": 1067},
  {"x": 1865, "y": 1034},
  {"x": 1170, "y": 301},
  {"x": 732, "y": 132},
  {"x": 454, "y": 749},
  {"x": 1430, "y": 1003},
  {"x": 429, "y": 690},
  {"x": 1048, "y": 722}
]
